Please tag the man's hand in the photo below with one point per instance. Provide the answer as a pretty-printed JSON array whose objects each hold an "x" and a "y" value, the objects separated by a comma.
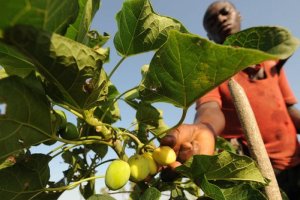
[{"x": 188, "y": 140}]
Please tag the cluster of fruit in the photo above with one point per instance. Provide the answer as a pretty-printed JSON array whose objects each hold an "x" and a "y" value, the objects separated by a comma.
[{"x": 138, "y": 167}]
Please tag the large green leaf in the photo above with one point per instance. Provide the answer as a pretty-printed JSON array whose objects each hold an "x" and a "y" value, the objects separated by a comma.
[
  {"x": 25, "y": 119},
  {"x": 14, "y": 62},
  {"x": 79, "y": 29},
  {"x": 140, "y": 29},
  {"x": 50, "y": 15},
  {"x": 239, "y": 191},
  {"x": 243, "y": 191},
  {"x": 187, "y": 66},
  {"x": 26, "y": 179},
  {"x": 273, "y": 40},
  {"x": 225, "y": 176},
  {"x": 226, "y": 166},
  {"x": 149, "y": 119},
  {"x": 72, "y": 70}
]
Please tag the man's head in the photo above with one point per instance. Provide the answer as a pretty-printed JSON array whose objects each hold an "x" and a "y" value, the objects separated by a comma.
[{"x": 221, "y": 19}]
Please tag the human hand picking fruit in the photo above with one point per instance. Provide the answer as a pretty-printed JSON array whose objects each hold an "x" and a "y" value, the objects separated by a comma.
[{"x": 188, "y": 140}]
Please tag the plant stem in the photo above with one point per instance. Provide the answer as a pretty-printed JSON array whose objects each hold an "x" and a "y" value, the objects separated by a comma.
[
  {"x": 118, "y": 148},
  {"x": 133, "y": 137},
  {"x": 65, "y": 149},
  {"x": 255, "y": 143},
  {"x": 57, "y": 148},
  {"x": 183, "y": 115},
  {"x": 74, "y": 184},
  {"x": 106, "y": 161},
  {"x": 114, "y": 101},
  {"x": 77, "y": 114},
  {"x": 136, "y": 140},
  {"x": 116, "y": 67},
  {"x": 86, "y": 140}
]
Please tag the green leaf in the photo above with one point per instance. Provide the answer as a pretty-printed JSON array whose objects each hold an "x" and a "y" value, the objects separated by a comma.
[
  {"x": 210, "y": 190},
  {"x": 223, "y": 144},
  {"x": 150, "y": 118},
  {"x": 226, "y": 166},
  {"x": 50, "y": 15},
  {"x": 96, "y": 40},
  {"x": 188, "y": 66},
  {"x": 178, "y": 194},
  {"x": 26, "y": 119},
  {"x": 14, "y": 62},
  {"x": 222, "y": 175},
  {"x": 72, "y": 70},
  {"x": 100, "y": 149},
  {"x": 147, "y": 114},
  {"x": 243, "y": 191},
  {"x": 101, "y": 197},
  {"x": 273, "y": 40},
  {"x": 108, "y": 106},
  {"x": 88, "y": 189},
  {"x": 191, "y": 188},
  {"x": 151, "y": 194},
  {"x": 239, "y": 191},
  {"x": 79, "y": 29},
  {"x": 26, "y": 178},
  {"x": 140, "y": 29}
]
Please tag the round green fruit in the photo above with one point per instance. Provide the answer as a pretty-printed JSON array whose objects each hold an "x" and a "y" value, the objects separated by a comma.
[
  {"x": 164, "y": 155},
  {"x": 139, "y": 169},
  {"x": 151, "y": 163},
  {"x": 70, "y": 132},
  {"x": 61, "y": 119},
  {"x": 117, "y": 174}
]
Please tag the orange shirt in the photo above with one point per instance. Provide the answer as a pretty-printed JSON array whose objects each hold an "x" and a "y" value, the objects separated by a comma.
[{"x": 268, "y": 98}]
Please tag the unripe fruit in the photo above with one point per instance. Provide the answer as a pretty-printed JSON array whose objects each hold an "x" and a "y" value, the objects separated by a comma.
[
  {"x": 61, "y": 119},
  {"x": 164, "y": 155},
  {"x": 139, "y": 168},
  {"x": 70, "y": 132},
  {"x": 117, "y": 174},
  {"x": 151, "y": 163}
]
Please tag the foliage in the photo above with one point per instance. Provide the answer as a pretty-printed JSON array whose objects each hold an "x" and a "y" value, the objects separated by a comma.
[{"x": 51, "y": 59}]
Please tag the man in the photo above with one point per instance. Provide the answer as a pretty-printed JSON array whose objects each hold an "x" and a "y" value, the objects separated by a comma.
[{"x": 270, "y": 97}]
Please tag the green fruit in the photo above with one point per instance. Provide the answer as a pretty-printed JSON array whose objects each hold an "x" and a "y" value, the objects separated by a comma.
[
  {"x": 70, "y": 132},
  {"x": 139, "y": 168},
  {"x": 151, "y": 163},
  {"x": 61, "y": 119},
  {"x": 164, "y": 155},
  {"x": 117, "y": 174}
]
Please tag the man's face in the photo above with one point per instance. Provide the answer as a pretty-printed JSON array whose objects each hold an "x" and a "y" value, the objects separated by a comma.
[{"x": 221, "y": 20}]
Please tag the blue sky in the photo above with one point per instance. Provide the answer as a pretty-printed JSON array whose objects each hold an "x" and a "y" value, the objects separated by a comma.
[{"x": 189, "y": 12}]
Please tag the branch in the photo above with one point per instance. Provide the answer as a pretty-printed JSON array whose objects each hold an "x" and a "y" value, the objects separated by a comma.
[{"x": 255, "y": 143}]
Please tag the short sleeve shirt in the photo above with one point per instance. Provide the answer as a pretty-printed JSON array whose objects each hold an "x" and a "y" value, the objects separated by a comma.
[{"x": 268, "y": 98}]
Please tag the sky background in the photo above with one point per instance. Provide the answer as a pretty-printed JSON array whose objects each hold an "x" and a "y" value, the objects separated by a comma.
[{"x": 189, "y": 12}]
